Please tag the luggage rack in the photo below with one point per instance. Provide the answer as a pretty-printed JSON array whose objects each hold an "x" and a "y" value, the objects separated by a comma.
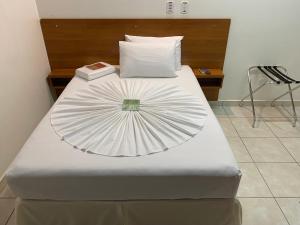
[{"x": 277, "y": 75}]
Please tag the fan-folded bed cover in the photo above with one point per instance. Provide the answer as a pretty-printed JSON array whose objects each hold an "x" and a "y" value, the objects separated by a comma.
[{"x": 202, "y": 166}]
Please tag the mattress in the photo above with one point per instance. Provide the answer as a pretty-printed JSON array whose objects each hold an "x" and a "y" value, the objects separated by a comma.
[{"x": 203, "y": 167}]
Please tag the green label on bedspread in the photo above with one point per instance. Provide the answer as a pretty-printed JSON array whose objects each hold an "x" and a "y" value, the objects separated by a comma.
[{"x": 131, "y": 105}]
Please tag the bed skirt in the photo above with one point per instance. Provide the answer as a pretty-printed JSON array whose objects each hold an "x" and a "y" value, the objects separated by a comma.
[{"x": 147, "y": 212}]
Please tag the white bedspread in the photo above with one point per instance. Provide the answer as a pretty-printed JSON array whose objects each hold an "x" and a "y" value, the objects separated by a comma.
[
  {"x": 203, "y": 167},
  {"x": 128, "y": 117}
]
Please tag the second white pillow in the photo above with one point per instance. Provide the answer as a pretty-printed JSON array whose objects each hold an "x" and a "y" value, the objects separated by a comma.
[{"x": 147, "y": 59}]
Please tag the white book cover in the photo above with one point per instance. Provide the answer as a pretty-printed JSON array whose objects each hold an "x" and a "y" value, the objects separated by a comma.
[{"x": 95, "y": 70}]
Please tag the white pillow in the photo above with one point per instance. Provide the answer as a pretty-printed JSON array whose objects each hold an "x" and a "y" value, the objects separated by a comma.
[
  {"x": 160, "y": 39},
  {"x": 147, "y": 59}
]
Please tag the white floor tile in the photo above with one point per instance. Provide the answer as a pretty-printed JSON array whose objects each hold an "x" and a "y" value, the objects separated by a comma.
[
  {"x": 288, "y": 111},
  {"x": 219, "y": 111},
  {"x": 12, "y": 219},
  {"x": 278, "y": 119},
  {"x": 284, "y": 129},
  {"x": 293, "y": 146},
  {"x": 267, "y": 150},
  {"x": 282, "y": 111},
  {"x": 239, "y": 149},
  {"x": 245, "y": 129},
  {"x": 261, "y": 211},
  {"x": 227, "y": 127},
  {"x": 298, "y": 111},
  {"x": 291, "y": 209},
  {"x": 282, "y": 178},
  {"x": 6, "y": 209},
  {"x": 252, "y": 184},
  {"x": 261, "y": 111},
  {"x": 237, "y": 111},
  {"x": 7, "y": 193}
]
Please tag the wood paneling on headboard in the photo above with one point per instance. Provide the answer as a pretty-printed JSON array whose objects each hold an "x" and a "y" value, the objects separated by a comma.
[{"x": 72, "y": 43}]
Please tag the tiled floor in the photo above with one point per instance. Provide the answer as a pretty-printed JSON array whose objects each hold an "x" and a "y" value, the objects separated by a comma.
[
  {"x": 6, "y": 211},
  {"x": 7, "y": 203},
  {"x": 269, "y": 158}
]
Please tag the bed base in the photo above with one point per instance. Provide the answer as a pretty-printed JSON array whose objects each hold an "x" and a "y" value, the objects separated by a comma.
[{"x": 147, "y": 212}]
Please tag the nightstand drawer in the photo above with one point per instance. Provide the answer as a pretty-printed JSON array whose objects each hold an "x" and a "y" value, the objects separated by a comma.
[{"x": 210, "y": 83}]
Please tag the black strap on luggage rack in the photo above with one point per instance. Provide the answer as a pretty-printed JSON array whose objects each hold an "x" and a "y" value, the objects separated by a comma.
[
  {"x": 277, "y": 76},
  {"x": 282, "y": 74},
  {"x": 265, "y": 73}
]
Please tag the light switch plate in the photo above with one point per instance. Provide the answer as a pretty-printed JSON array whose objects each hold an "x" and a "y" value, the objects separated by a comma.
[
  {"x": 184, "y": 7},
  {"x": 170, "y": 5}
]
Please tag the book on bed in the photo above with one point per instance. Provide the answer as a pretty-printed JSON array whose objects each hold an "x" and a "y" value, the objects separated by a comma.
[{"x": 95, "y": 70}]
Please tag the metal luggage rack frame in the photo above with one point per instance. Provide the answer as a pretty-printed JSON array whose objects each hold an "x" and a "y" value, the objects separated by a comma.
[{"x": 275, "y": 75}]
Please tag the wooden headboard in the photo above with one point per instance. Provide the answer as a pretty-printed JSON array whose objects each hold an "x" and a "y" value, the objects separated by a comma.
[{"x": 72, "y": 43}]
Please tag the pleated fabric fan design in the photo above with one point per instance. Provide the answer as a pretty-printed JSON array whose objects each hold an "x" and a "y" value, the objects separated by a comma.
[{"x": 128, "y": 117}]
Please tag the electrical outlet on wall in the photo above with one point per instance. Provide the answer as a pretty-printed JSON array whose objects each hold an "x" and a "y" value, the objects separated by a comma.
[
  {"x": 184, "y": 7},
  {"x": 170, "y": 5}
]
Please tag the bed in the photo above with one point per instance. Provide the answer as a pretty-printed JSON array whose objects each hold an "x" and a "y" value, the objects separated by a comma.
[{"x": 193, "y": 183}]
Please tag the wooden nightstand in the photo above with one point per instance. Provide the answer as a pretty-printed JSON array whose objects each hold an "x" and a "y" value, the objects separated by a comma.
[
  {"x": 211, "y": 83},
  {"x": 58, "y": 80}
]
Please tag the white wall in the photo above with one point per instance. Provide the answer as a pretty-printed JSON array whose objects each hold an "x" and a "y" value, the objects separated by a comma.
[
  {"x": 24, "y": 95},
  {"x": 262, "y": 31}
]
